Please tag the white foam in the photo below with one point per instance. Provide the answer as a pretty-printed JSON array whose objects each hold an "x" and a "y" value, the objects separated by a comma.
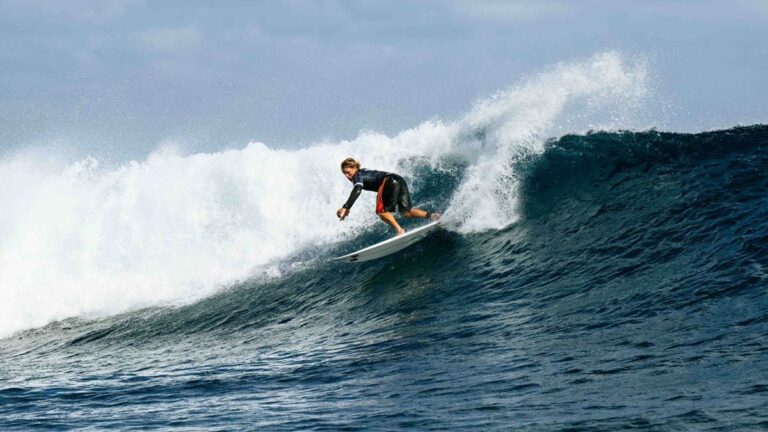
[
  {"x": 600, "y": 93},
  {"x": 83, "y": 239}
]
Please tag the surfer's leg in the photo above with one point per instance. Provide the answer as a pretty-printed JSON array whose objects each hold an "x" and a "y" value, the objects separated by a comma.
[
  {"x": 403, "y": 199},
  {"x": 419, "y": 213},
  {"x": 415, "y": 213},
  {"x": 403, "y": 196},
  {"x": 404, "y": 204},
  {"x": 390, "y": 220},
  {"x": 386, "y": 203}
]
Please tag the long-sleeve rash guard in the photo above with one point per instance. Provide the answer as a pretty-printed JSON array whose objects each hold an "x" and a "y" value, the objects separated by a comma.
[{"x": 369, "y": 180}]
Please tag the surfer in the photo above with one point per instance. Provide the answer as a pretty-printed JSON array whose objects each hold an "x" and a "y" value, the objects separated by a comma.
[{"x": 392, "y": 194}]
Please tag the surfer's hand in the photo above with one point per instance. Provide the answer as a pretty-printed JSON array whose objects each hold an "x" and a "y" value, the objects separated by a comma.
[{"x": 342, "y": 213}]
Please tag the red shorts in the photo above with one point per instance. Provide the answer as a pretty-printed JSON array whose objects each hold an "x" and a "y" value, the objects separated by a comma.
[{"x": 379, "y": 203}]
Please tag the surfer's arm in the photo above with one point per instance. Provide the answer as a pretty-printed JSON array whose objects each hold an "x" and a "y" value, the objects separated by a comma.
[{"x": 353, "y": 196}]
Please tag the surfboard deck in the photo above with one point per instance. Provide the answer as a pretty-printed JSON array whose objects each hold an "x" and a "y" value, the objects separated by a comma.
[{"x": 389, "y": 246}]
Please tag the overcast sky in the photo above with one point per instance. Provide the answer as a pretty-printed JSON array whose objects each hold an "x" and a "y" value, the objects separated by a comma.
[{"x": 115, "y": 78}]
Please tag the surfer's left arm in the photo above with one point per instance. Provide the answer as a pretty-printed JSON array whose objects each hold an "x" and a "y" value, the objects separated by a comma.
[{"x": 344, "y": 210}]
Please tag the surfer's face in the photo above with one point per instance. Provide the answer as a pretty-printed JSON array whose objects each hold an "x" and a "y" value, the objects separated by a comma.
[{"x": 349, "y": 172}]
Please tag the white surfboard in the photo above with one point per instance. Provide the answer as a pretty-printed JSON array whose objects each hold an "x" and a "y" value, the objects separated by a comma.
[{"x": 389, "y": 246}]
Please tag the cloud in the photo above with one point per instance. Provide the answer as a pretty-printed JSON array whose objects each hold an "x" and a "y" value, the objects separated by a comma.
[
  {"x": 171, "y": 39},
  {"x": 75, "y": 11},
  {"x": 499, "y": 10}
]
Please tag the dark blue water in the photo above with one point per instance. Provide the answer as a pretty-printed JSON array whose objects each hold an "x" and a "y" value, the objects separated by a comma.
[{"x": 631, "y": 294}]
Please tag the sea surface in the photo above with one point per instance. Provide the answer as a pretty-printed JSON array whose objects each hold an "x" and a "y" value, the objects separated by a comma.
[
  {"x": 630, "y": 292},
  {"x": 593, "y": 271}
]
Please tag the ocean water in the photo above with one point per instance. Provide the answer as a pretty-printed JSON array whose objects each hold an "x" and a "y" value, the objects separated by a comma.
[{"x": 587, "y": 277}]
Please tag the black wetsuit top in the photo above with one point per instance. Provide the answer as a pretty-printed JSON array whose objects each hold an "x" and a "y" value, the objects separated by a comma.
[{"x": 369, "y": 180}]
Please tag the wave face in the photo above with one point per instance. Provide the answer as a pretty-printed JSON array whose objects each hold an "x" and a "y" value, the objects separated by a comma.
[
  {"x": 597, "y": 281},
  {"x": 89, "y": 239}
]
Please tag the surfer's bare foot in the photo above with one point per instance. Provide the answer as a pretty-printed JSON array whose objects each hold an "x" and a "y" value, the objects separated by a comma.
[
  {"x": 435, "y": 216},
  {"x": 400, "y": 232}
]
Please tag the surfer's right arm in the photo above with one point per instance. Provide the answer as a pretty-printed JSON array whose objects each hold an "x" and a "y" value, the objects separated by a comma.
[{"x": 344, "y": 210}]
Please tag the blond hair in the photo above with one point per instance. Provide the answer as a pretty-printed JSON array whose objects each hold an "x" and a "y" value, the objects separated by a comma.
[{"x": 350, "y": 163}]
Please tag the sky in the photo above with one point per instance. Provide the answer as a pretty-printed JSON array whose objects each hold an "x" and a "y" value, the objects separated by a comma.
[{"x": 118, "y": 78}]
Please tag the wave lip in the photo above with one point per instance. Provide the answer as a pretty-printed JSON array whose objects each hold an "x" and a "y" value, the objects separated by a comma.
[{"x": 513, "y": 126}]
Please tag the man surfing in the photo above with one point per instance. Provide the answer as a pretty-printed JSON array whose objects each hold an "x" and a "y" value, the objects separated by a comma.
[{"x": 392, "y": 194}]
